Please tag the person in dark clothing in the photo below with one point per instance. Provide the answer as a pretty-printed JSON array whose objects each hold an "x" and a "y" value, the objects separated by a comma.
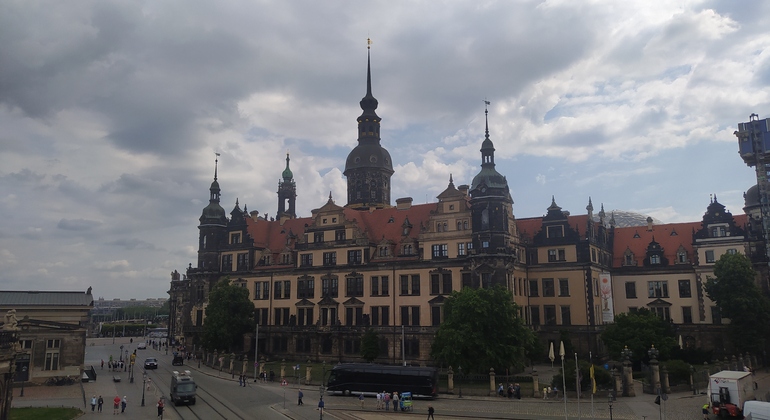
[
  {"x": 430, "y": 412},
  {"x": 299, "y": 397}
]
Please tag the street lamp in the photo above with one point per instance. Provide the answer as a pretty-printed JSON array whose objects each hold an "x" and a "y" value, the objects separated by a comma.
[
  {"x": 23, "y": 379},
  {"x": 144, "y": 385},
  {"x": 323, "y": 378},
  {"x": 609, "y": 403},
  {"x": 459, "y": 380}
]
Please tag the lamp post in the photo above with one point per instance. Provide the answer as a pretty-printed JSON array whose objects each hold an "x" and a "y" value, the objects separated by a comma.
[
  {"x": 459, "y": 380},
  {"x": 323, "y": 376},
  {"x": 609, "y": 403},
  {"x": 144, "y": 385},
  {"x": 23, "y": 379}
]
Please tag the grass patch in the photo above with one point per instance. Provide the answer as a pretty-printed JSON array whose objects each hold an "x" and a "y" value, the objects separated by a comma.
[{"x": 44, "y": 413}]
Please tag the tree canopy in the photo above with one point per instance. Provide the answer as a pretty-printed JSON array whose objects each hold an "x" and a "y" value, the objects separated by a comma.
[
  {"x": 482, "y": 330},
  {"x": 738, "y": 297},
  {"x": 229, "y": 315},
  {"x": 370, "y": 345},
  {"x": 639, "y": 331}
]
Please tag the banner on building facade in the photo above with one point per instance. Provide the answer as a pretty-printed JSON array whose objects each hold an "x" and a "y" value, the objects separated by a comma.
[{"x": 605, "y": 289}]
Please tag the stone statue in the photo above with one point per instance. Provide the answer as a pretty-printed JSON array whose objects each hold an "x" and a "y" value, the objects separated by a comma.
[{"x": 11, "y": 322}]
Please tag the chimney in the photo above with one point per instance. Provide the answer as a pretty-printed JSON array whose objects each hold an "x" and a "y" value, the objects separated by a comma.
[
  {"x": 254, "y": 215},
  {"x": 649, "y": 224},
  {"x": 464, "y": 189},
  {"x": 404, "y": 203}
]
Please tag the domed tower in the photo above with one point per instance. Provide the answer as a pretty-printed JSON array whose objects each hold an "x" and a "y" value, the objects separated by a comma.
[
  {"x": 491, "y": 206},
  {"x": 368, "y": 167},
  {"x": 212, "y": 228},
  {"x": 287, "y": 193}
]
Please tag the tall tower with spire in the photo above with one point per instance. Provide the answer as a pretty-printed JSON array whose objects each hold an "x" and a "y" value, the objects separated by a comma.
[
  {"x": 287, "y": 193},
  {"x": 368, "y": 167},
  {"x": 212, "y": 228},
  {"x": 491, "y": 207}
]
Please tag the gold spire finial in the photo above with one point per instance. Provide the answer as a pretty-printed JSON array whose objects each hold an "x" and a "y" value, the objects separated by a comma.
[{"x": 368, "y": 43}]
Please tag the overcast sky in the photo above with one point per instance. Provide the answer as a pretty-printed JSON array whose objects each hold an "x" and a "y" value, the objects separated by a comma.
[{"x": 112, "y": 111}]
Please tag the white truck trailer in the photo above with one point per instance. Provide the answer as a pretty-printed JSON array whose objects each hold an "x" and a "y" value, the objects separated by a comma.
[{"x": 728, "y": 391}]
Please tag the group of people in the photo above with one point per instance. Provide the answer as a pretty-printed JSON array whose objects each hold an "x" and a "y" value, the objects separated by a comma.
[
  {"x": 549, "y": 392},
  {"x": 384, "y": 399},
  {"x": 512, "y": 391},
  {"x": 120, "y": 404}
]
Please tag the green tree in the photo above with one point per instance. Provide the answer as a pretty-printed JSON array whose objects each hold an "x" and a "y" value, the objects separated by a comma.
[
  {"x": 370, "y": 345},
  {"x": 482, "y": 330},
  {"x": 739, "y": 298},
  {"x": 639, "y": 331},
  {"x": 229, "y": 315}
]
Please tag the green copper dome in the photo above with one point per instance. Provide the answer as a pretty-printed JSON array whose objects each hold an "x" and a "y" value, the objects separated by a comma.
[{"x": 287, "y": 174}]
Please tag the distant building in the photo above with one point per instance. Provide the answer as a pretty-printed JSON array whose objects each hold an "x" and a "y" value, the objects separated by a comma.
[
  {"x": 51, "y": 332},
  {"x": 317, "y": 282}
]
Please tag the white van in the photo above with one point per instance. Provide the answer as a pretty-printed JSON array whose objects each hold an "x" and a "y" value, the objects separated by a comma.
[{"x": 756, "y": 410}]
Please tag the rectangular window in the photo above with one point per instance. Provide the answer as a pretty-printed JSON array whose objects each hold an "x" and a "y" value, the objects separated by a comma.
[
  {"x": 549, "y": 311},
  {"x": 318, "y": 237},
  {"x": 440, "y": 251},
  {"x": 657, "y": 289},
  {"x": 287, "y": 289},
  {"x": 306, "y": 260},
  {"x": 548, "y": 290},
  {"x": 339, "y": 235},
  {"x": 555, "y": 232},
  {"x": 328, "y": 316},
  {"x": 684, "y": 289},
  {"x": 404, "y": 285},
  {"x": 257, "y": 290},
  {"x": 235, "y": 238},
  {"x": 380, "y": 315},
  {"x": 709, "y": 256},
  {"x": 446, "y": 280},
  {"x": 412, "y": 348},
  {"x": 352, "y": 346},
  {"x": 551, "y": 255},
  {"x": 354, "y": 257},
  {"x": 329, "y": 287},
  {"x": 243, "y": 261},
  {"x": 467, "y": 280},
  {"x": 534, "y": 315},
  {"x": 662, "y": 312},
  {"x": 375, "y": 285},
  {"x": 630, "y": 290},
  {"x": 354, "y": 286},
  {"x": 566, "y": 317},
  {"x": 265, "y": 290},
  {"x": 385, "y": 289},
  {"x": 51, "y": 360},
  {"x": 562, "y": 255},
  {"x": 686, "y": 314},
  {"x": 304, "y": 316},
  {"x": 306, "y": 288},
  {"x": 563, "y": 287},
  {"x": 533, "y": 288},
  {"x": 227, "y": 262},
  {"x": 330, "y": 259},
  {"x": 460, "y": 249},
  {"x": 435, "y": 315},
  {"x": 435, "y": 284},
  {"x": 415, "y": 285},
  {"x": 281, "y": 316},
  {"x": 278, "y": 290}
]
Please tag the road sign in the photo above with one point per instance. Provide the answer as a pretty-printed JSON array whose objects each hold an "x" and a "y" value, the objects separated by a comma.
[{"x": 283, "y": 382}]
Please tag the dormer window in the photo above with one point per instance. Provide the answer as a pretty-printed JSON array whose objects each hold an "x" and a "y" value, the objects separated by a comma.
[
  {"x": 555, "y": 231},
  {"x": 235, "y": 238},
  {"x": 655, "y": 259},
  {"x": 718, "y": 232},
  {"x": 681, "y": 257}
]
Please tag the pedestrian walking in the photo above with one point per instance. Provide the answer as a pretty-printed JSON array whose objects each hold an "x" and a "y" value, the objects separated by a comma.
[
  {"x": 93, "y": 403},
  {"x": 299, "y": 397},
  {"x": 100, "y": 403},
  {"x": 321, "y": 406},
  {"x": 379, "y": 400},
  {"x": 123, "y": 404},
  {"x": 240, "y": 380},
  {"x": 430, "y": 412},
  {"x": 395, "y": 401},
  {"x": 102, "y": 364},
  {"x": 386, "y": 399},
  {"x": 160, "y": 406},
  {"x": 116, "y": 405},
  {"x": 361, "y": 398},
  {"x": 705, "y": 411}
]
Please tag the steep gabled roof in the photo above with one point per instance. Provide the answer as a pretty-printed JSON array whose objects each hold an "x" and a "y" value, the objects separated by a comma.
[{"x": 670, "y": 236}]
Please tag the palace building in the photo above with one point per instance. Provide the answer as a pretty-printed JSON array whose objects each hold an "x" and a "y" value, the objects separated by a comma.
[{"x": 318, "y": 282}]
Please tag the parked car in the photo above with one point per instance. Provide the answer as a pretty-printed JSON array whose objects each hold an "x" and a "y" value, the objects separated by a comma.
[
  {"x": 151, "y": 363},
  {"x": 141, "y": 346}
]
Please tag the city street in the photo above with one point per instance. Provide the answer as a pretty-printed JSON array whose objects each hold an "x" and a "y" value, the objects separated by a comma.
[{"x": 220, "y": 397}]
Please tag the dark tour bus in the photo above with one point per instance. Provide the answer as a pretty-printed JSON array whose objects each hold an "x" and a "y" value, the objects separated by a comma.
[{"x": 369, "y": 379}]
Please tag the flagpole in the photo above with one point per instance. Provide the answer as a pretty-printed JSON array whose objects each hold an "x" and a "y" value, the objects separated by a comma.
[
  {"x": 577, "y": 383},
  {"x": 563, "y": 378}
]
